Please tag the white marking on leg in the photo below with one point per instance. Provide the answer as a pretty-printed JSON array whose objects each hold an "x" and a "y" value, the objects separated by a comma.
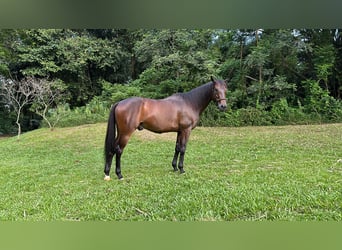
[{"x": 107, "y": 178}]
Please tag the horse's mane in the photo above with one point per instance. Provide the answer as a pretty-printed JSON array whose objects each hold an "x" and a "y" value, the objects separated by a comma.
[{"x": 198, "y": 97}]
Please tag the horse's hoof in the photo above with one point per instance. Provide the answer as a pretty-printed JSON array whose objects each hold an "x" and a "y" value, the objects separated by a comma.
[{"x": 107, "y": 178}]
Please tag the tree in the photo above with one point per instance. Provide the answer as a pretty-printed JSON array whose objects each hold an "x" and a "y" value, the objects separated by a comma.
[
  {"x": 17, "y": 94},
  {"x": 77, "y": 57},
  {"x": 48, "y": 94},
  {"x": 267, "y": 67},
  {"x": 8, "y": 37},
  {"x": 323, "y": 61},
  {"x": 175, "y": 60}
]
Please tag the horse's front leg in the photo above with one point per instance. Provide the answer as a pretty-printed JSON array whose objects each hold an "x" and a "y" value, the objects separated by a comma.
[
  {"x": 184, "y": 137},
  {"x": 177, "y": 150}
]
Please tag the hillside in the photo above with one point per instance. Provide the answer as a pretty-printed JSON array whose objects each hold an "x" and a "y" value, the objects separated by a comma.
[{"x": 249, "y": 173}]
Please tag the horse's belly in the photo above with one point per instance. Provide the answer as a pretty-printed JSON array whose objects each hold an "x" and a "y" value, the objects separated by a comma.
[
  {"x": 161, "y": 123},
  {"x": 160, "y": 116}
]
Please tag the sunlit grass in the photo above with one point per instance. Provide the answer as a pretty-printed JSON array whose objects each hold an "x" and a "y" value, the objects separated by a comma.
[{"x": 252, "y": 173}]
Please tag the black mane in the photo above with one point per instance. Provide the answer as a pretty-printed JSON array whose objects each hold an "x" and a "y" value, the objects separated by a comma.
[{"x": 199, "y": 97}]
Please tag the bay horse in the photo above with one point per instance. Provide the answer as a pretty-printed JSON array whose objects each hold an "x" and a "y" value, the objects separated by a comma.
[{"x": 177, "y": 113}]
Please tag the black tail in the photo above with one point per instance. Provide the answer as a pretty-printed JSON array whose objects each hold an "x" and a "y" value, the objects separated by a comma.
[{"x": 111, "y": 134}]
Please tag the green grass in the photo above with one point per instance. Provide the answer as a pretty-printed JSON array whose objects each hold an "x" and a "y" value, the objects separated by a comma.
[{"x": 290, "y": 173}]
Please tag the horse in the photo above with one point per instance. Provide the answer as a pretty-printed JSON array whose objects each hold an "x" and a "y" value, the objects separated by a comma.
[{"x": 178, "y": 113}]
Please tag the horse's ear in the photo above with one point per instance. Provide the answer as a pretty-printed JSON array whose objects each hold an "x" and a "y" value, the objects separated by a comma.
[{"x": 212, "y": 78}]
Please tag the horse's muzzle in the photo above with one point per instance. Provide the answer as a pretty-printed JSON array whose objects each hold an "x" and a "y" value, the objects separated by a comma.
[{"x": 222, "y": 107}]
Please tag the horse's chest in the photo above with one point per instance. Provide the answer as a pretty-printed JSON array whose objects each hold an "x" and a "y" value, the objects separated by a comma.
[{"x": 188, "y": 119}]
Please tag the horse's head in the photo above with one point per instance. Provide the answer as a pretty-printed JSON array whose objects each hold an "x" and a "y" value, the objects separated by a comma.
[{"x": 219, "y": 93}]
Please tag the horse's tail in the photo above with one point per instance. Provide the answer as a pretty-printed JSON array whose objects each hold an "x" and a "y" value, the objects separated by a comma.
[{"x": 109, "y": 149}]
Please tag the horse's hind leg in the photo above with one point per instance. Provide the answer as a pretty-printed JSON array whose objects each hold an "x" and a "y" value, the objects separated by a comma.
[
  {"x": 109, "y": 159},
  {"x": 122, "y": 142},
  {"x": 118, "y": 162}
]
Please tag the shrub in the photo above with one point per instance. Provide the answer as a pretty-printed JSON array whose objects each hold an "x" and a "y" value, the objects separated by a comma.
[
  {"x": 113, "y": 93},
  {"x": 241, "y": 117},
  {"x": 282, "y": 114},
  {"x": 251, "y": 116},
  {"x": 319, "y": 103},
  {"x": 95, "y": 111}
]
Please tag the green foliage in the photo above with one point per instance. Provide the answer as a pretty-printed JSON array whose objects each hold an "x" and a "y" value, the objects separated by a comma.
[
  {"x": 7, "y": 121},
  {"x": 95, "y": 111},
  {"x": 7, "y": 58},
  {"x": 320, "y": 103},
  {"x": 55, "y": 115},
  {"x": 282, "y": 114},
  {"x": 3, "y": 65},
  {"x": 279, "y": 114},
  {"x": 74, "y": 57},
  {"x": 113, "y": 93},
  {"x": 252, "y": 117},
  {"x": 211, "y": 116},
  {"x": 48, "y": 94},
  {"x": 176, "y": 55},
  {"x": 265, "y": 68},
  {"x": 163, "y": 89},
  {"x": 324, "y": 59}
]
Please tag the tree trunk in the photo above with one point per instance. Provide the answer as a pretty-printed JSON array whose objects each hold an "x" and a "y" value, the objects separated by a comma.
[
  {"x": 18, "y": 124},
  {"x": 260, "y": 73},
  {"x": 48, "y": 122},
  {"x": 260, "y": 87}
]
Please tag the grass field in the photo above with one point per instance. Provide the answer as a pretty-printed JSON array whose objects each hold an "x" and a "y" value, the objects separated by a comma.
[{"x": 290, "y": 173}]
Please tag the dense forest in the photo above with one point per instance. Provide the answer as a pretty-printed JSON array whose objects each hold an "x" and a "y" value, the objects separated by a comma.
[{"x": 275, "y": 77}]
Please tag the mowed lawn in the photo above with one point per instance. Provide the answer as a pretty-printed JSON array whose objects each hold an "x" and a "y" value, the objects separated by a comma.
[{"x": 290, "y": 173}]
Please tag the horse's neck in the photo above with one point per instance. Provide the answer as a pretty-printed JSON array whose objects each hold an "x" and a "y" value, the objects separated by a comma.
[{"x": 200, "y": 97}]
